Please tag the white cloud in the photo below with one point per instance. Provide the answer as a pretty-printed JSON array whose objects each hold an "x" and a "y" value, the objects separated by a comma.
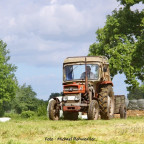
[
  {"x": 12, "y": 22},
  {"x": 41, "y": 34},
  {"x": 57, "y": 19},
  {"x": 138, "y": 6},
  {"x": 53, "y": 1},
  {"x": 41, "y": 52},
  {"x": 44, "y": 34},
  {"x": 10, "y": 38}
]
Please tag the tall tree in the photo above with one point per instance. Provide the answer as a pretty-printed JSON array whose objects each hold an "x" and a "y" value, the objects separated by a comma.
[
  {"x": 25, "y": 99},
  {"x": 8, "y": 82},
  {"x": 122, "y": 41}
]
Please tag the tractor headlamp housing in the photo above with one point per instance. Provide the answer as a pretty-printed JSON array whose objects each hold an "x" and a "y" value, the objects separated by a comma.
[
  {"x": 77, "y": 98},
  {"x": 65, "y": 98}
]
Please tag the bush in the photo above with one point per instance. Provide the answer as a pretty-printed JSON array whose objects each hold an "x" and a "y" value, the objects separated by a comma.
[
  {"x": 42, "y": 110},
  {"x": 27, "y": 114},
  {"x": 12, "y": 115},
  {"x": 1, "y": 111}
]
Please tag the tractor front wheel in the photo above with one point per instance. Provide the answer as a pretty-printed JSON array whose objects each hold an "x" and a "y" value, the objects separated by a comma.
[
  {"x": 93, "y": 110},
  {"x": 54, "y": 112}
]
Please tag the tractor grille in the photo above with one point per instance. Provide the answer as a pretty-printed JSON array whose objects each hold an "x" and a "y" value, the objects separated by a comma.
[{"x": 71, "y": 88}]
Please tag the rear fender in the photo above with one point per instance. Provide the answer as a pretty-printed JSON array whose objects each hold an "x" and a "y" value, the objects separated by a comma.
[{"x": 106, "y": 82}]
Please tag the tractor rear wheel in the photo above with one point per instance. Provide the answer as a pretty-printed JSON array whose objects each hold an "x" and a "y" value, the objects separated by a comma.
[
  {"x": 106, "y": 102},
  {"x": 54, "y": 112},
  {"x": 70, "y": 115},
  {"x": 93, "y": 110}
]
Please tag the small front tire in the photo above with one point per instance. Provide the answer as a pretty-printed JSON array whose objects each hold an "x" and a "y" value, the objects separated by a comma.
[
  {"x": 93, "y": 110},
  {"x": 54, "y": 112}
]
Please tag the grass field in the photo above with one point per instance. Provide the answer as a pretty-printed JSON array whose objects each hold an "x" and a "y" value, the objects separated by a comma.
[{"x": 40, "y": 131}]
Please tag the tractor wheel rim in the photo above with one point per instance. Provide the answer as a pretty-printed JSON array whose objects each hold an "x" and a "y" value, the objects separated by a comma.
[{"x": 95, "y": 114}]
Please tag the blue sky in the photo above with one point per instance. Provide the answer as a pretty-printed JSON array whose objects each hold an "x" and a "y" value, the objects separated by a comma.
[{"x": 41, "y": 34}]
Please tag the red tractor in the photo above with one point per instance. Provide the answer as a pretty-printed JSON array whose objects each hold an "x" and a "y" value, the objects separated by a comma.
[{"x": 87, "y": 88}]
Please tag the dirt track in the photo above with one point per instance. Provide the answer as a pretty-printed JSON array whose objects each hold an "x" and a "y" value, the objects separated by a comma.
[
  {"x": 135, "y": 113},
  {"x": 132, "y": 113}
]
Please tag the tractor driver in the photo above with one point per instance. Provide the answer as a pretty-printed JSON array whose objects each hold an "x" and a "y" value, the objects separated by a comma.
[{"x": 90, "y": 75}]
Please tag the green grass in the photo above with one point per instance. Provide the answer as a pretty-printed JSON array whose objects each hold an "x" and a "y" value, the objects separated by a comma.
[{"x": 42, "y": 131}]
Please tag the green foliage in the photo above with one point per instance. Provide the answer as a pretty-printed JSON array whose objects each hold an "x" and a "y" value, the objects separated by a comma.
[
  {"x": 122, "y": 40},
  {"x": 8, "y": 82},
  {"x": 27, "y": 114},
  {"x": 1, "y": 111},
  {"x": 12, "y": 115},
  {"x": 42, "y": 110},
  {"x": 53, "y": 95},
  {"x": 129, "y": 3},
  {"x": 137, "y": 93},
  {"x": 25, "y": 100}
]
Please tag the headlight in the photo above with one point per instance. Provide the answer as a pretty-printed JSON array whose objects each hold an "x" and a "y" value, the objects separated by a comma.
[
  {"x": 65, "y": 98},
  {"x": 77, "y": 98}
]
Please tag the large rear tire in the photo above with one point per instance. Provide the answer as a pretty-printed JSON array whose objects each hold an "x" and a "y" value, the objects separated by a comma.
[
  {"x": 106, "y": 102},
  {"x": 54, "y": 112},
  {"x": 70, "y": 115},
  {"x": 93, "y": 110}
]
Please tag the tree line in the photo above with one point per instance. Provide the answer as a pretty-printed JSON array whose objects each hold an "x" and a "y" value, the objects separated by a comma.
[
  {"x": 24, "y": 100},
  {"x": 13, "y": 97}
]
